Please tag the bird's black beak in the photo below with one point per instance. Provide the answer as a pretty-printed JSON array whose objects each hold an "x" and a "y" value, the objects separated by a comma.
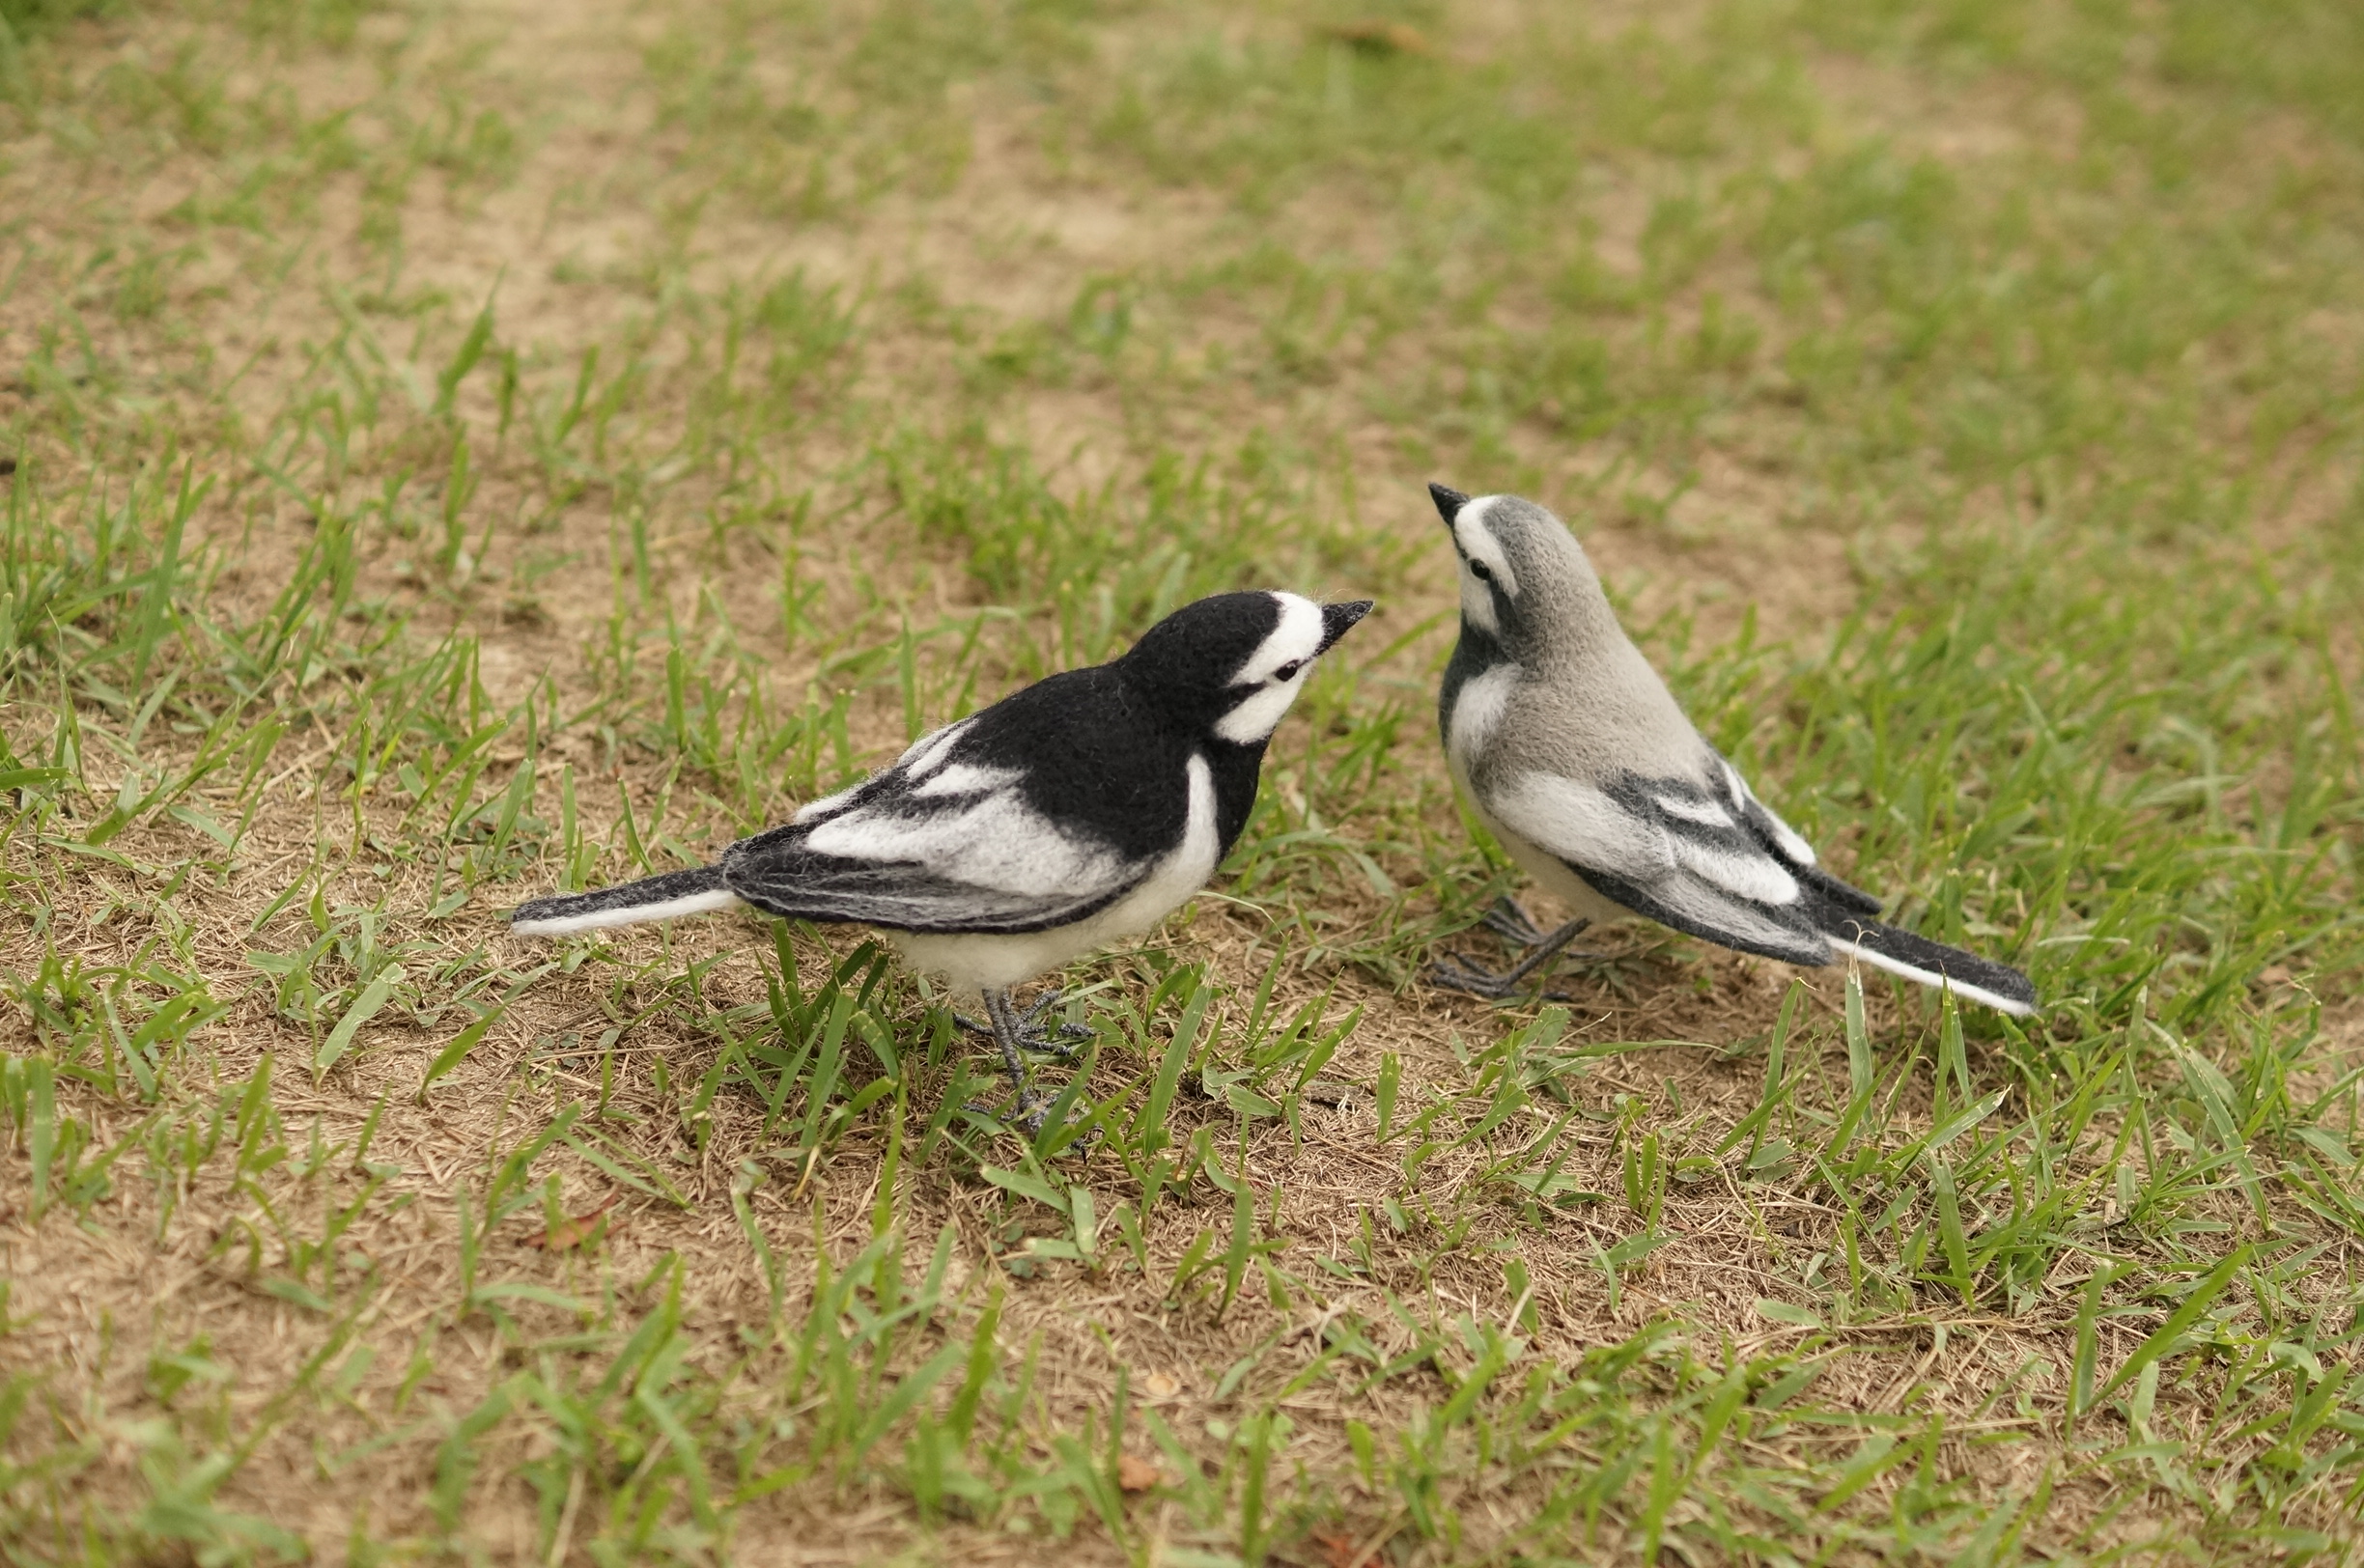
[
  {"x": 1339, "y": 619},
  {"x": 1448, "y": 502}
]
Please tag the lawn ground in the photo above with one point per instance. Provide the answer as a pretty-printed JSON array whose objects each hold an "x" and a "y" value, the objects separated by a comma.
[{"x": 452, "y": 453}]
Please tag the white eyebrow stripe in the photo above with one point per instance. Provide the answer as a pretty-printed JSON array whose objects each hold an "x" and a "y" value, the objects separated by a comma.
[
  {"x": 1295, "y": 639},
  {"x": 1479, "y": 544}
]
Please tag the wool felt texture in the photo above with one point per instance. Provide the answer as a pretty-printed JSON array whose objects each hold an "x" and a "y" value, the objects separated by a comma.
[
  {"x": 1576, "y": 756},
  {"x": 1048, "y": 807},
  {"x": 1080, "y": 810},
  {"x": 1037, "y": 812}
]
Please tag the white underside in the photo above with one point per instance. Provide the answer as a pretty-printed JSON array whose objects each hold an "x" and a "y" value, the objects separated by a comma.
[
  {"x": 1552, "y": 875},
  {"x": 970, "y": 962},
  {"x": 721, "y": 898},
  {"x": 1930, "y": 977},
  {"x": 1476, "y": 716}
]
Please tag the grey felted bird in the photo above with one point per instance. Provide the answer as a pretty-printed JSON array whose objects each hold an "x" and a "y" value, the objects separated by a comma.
[
  {"x": 1071, "y": 814},
  {"x": 1573, "y": 753}
]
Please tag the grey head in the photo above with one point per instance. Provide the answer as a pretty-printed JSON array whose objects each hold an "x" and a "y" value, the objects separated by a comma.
[
  {"x": 1527, "y": 589},
  {"x": 1579, "y": 698}
]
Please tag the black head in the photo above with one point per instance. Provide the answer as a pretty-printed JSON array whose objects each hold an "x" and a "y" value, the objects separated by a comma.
[{"x": 1232, "y": 664}]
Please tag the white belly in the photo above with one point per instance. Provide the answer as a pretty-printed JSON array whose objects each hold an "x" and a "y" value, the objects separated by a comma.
[
  {"x": 973, "y": 962},
  {"x": 1550, "y": 872}
]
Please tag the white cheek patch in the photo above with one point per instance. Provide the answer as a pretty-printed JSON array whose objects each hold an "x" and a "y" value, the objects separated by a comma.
[
  {"x": 1295, "y": 640},
  {"x": 1478, "y": 605},
  {"x": 1266, "y": 701},
  {"x": 1260, "y": 712}
]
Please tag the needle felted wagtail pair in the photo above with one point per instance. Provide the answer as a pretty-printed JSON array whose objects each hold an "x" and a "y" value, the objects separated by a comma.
[
  {"x": 1574, "y": 754},
  {"x": 1079, "y": 811}
]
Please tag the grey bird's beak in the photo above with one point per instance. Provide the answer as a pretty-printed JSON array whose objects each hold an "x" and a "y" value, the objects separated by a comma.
[
  {"x": 1448, "y": 502},
  {"x": 1339, "y": 619}
]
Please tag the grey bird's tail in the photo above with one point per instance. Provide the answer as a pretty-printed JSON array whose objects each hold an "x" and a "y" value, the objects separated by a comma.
[
  {"x": 660, "y": 897},
  {"x": 1899, "y": 951}
]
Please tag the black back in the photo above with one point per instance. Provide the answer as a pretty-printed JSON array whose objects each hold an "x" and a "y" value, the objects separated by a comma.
[{"x": 1101, "y": 753}]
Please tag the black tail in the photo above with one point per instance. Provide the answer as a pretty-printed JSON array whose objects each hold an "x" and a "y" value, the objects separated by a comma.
[
  {"x": 1933, "y": 963},
  {"x": 651, "y": 897}
]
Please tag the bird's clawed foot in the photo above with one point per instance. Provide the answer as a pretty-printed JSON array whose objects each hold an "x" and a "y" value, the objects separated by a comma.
[
  {"x": 1508, "y": 919},
  {"x": 1018, "y": 1034},
  {"x": 1454, "y": 972}
]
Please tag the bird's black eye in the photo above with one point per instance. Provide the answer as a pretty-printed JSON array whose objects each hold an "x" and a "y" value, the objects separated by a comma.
[
  {"x": 1481, "y": 572},
  {"x": 1288, "y": 671}
]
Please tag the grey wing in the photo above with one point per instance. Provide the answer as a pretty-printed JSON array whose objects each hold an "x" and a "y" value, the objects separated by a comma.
[
  {"x": 1669, "y": 850},
  {"x": 1780, "y": 838},
  {"x": 951, "y": 847}
]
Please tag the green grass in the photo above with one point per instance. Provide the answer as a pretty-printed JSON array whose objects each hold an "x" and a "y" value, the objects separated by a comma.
[{"x": 452, "y": 456}]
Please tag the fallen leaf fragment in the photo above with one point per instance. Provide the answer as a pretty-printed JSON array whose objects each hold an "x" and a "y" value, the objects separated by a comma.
[
  {"x": 1337, "y": 1548},
  {"x": 574, "y": 1232},
  {"x": 1135, "y": 1473}
]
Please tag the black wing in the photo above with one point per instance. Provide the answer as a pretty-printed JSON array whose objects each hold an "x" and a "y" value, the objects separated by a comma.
[{"x": 1038, "y": 812}]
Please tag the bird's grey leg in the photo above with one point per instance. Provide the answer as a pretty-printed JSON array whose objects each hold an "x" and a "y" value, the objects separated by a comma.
[
  {"x": 1454, "y": 972},
  {"x": 1030, "y": 1031},
  {"x": 1026, "y": 1109}
]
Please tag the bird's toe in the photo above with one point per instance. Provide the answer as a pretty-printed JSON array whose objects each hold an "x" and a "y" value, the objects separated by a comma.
[
  {"x": 1454, "y": 972},
  {"x": 1509, "y": 920}
]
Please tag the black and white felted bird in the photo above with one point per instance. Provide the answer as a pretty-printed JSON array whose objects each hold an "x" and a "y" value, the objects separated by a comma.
[
  {"x": 1079, "y": 811},
  {"x": 1573, "y": 753}
]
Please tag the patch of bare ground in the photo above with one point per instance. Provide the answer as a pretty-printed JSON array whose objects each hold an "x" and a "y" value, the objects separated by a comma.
[{"x": 193, "y": 1269}]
